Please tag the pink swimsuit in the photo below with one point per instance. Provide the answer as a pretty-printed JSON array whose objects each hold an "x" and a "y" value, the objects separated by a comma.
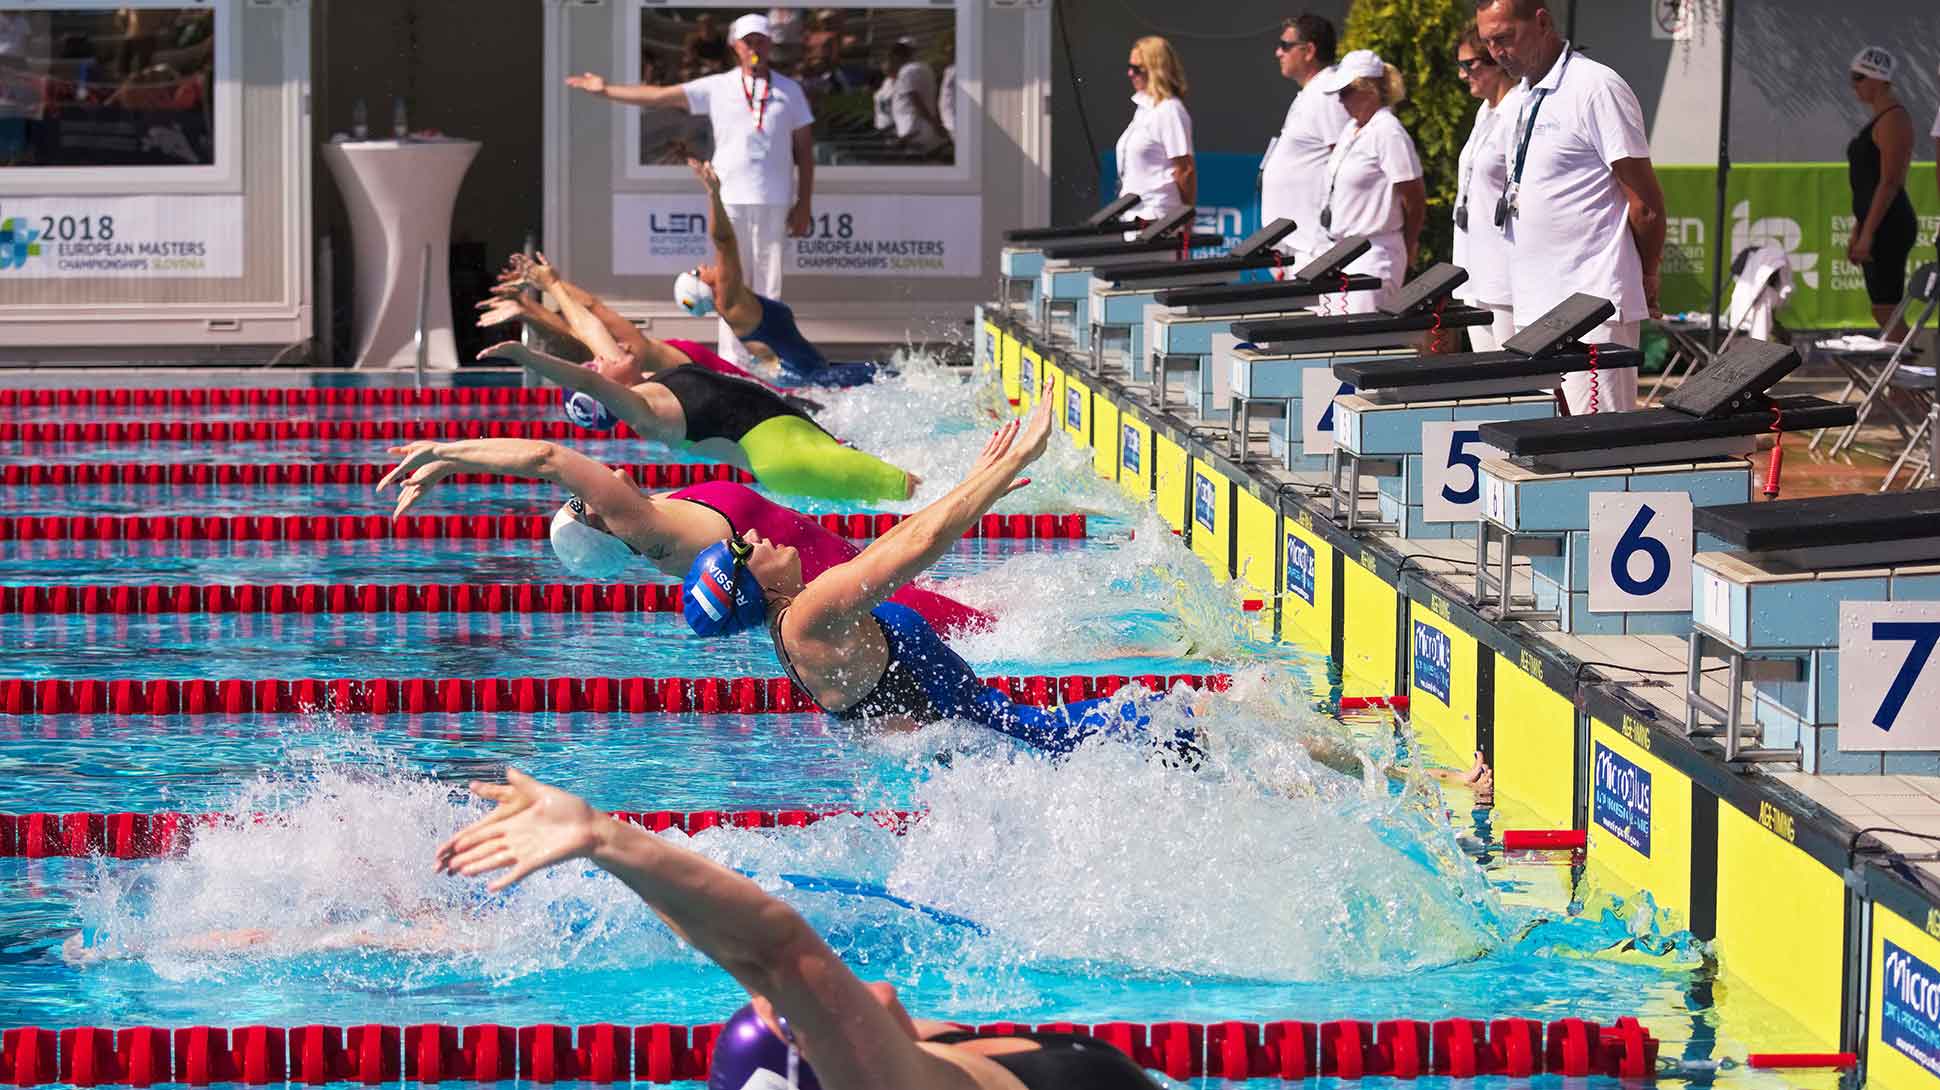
[
  {"x": 745, "y": 510},
  {"x": 708, "y": 359}
]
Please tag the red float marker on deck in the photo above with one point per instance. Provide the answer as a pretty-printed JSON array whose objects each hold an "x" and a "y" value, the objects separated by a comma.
[
  {"x": 1366, "y": 703},
  {"x": 1800, "y": 1061}
]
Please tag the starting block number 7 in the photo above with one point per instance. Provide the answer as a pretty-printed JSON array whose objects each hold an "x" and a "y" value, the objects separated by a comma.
[{"x": 1885, "y": 649}]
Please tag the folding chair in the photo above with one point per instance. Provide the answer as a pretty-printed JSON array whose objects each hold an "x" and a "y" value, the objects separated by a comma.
[
  {"x": 1871, "y": 363},
  {"x": 1761, "y": 283},
  {"x": 1914, "y": 384}
]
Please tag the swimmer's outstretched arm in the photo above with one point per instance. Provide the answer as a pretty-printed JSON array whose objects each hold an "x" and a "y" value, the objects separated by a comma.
[
  {"x": 500, "y": 308},
  {"x": 847, "y": 1036},
  {"x": 736, "y": 304},
  {"x": 426, "y": 462},
  {"x": 620, "y": 400},
  {"x": 846, "y": 591},
  {"x": 590, "y": 331}
]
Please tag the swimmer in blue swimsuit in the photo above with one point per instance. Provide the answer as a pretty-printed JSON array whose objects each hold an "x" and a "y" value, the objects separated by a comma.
[
  {"x": 719, "y": 288},
  {"x": 861, "y": 656}
]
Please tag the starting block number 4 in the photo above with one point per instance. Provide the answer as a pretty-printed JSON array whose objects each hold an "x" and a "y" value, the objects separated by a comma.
[
  {"x": 1318, "y": 388},
  {"x": 1888, "y": 681},
  {"x": 1640, "y": 552},
  {"x": 1451, "y": 470}
]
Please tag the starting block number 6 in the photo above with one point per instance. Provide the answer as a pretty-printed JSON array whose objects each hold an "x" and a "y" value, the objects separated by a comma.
[
  {"x": 1886, "y": 651},
  {"x": 1640, "y": 552}
]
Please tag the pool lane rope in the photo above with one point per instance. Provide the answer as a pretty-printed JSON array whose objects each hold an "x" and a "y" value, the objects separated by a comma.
[
  {"x": 604, "y": 1053},
  {"x": 202, "y": 474},
  {"x": 118, "y": 397},
  {"x": 96, "y": 432},
  {"x": 383, "y": 696},
  {"x": 1045, "y": 527},
  {"x": 126, "y": 835}
]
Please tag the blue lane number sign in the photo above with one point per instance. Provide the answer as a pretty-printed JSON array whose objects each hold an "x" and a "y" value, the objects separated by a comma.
[
  {"x": 1451, "y": 470},
  {"x": 1640, "y": 552},
  {"x": 1889, "y": 675}
]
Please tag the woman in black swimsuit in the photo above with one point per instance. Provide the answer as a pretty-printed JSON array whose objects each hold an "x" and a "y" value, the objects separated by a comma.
[
  {"x": 1884, "y": 226},
  {"x": 854, "y": 1035}
]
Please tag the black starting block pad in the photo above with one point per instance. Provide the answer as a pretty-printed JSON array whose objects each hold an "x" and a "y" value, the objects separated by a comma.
[
  {"x": 1606, "y": 440},
  {"x": 1422, "y": 305},
  {"x": 1257, "y": 298},
  {"x": 1734, "y": 380},
  {"x": 1158, "y": 238},
  {"x": 1105, "y": 221},
  {"x": 1472, "y": 374},
  {"x": 1254, "y": 252},
  {"x": 1832, "y": 531}
]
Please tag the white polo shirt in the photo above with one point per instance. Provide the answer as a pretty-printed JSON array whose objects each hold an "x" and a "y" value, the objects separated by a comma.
[
  {"x": 1157, "y": 135},
  {"x": 1482, "y": 173},
  {"x": 1572, "y": 230},
  {"x": 753, "y": 147},
  {"x": 914, "y": 83},
  {"x": 1367, "y": 163},
  {"x": 1293, "y": 181}
]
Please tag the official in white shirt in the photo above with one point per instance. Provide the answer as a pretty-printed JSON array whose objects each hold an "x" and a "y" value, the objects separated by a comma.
[
  {"x": 1482, "y": 175},
  {"x": 1583, "y": 212},
  {"x": 1293, "y": 177},
  {"x": 1155, "y": 150},
  {"x": 912, "y": 101},
  {"x": 1374, "y": 185},
  {"x": 762, "y": 137}
]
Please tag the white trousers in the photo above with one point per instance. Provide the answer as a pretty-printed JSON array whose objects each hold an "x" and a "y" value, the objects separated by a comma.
[
  {"x": 760, "y": 234},
  {"x": 1491, "y": 338},
  {"x": 1615, "y": 389}
]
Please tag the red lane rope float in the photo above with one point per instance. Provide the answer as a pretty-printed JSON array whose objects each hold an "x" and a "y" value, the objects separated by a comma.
[
  {"x": 96, "y": 432},
  {"x": 235, "y": 397},
  {"x": 335, "y": 598},
  {"x": 648, "y": 474},
  {"x": 383, "y": 696},
  {"x": 607, "y": 1053},
  {"x": 1368, "y": 703},
  {"x": 75, "y": 835},
  {"x": 1047, "y": 527},
  {"x": 1779, "y": 1061},
  {"x": 1545, "y": 840}
]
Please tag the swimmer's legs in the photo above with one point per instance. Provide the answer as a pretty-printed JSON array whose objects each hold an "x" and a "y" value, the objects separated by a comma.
[{"x": 791, "y": 455}]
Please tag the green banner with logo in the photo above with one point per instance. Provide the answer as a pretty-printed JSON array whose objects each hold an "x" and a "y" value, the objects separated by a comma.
[{"x": 1806, "y": 208}]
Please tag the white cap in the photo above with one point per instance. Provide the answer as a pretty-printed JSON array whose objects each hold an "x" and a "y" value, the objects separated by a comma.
[
  {"x": 693, "y": 294},
  {"x": 749, "y": 24},
  {"x": 586, "y": 552},
  {"x": 1360, "y": 64},
  {"x": 1875, "y": 63}
]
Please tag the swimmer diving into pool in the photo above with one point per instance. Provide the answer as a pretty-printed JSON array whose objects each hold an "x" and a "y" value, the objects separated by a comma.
[
  {"x": 610, "y": 522},
  {"x": 729, "y": 420},
  {"x": 863, "y": 656},
  {"x": 852, "y": 1035},
  {"x": 720, "y": 288}
]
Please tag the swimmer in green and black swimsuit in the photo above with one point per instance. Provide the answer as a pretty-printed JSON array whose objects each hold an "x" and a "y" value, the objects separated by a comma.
[{"x": 730, "y": 420}]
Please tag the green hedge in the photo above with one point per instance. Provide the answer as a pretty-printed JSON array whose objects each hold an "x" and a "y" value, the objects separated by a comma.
[{"x": 1419, "y": 38}]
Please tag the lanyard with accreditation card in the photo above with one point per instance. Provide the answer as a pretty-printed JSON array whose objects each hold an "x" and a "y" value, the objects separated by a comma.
[{"x": 1506, "y": 206}]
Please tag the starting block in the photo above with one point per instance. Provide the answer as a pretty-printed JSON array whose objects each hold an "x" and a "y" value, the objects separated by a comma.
[
  {"x": 1771, "y": 610},
  {"x": 1540, "y": 499},
  {"x": 1121, "y": 296},
  {"x": 1401, "y": 426},
  {"x": 1064, "y": 283},
  {"x": 1022, "y": 258}
]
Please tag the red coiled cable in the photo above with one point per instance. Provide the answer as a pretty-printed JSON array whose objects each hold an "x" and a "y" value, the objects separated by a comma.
[
  {"x": 1776, "y": 466},
  {"x": 1435, "y": 333},
  {"x": 1595, "y": 391}
]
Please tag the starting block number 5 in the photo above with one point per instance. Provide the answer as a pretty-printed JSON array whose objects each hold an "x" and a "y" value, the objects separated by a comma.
[
  {"x": 1888, "y": 684},
  {"x": 1451, "y": 470},
  {"x": 1640, "y": 552}
]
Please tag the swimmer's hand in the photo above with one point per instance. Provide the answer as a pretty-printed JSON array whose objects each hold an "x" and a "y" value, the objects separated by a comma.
[
  {"x": 499, "y": 311},
  {"x": 994, "y": 451},
  {"x": 704, "y": 170},
  {"x": 590, "y": 82},
  {"x": 1018, "y": 443},
  {"x": 420, "y": 466},
  {"x": 534, "y": 826}
]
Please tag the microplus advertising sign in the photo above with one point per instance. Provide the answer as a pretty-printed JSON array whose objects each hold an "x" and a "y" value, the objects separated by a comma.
[
  {"x": 1910, "y": 1008},
  {"x": 126, "y": 238},
  {"x": 1620, "y": 801},
  {"x": 891, "y": 236}
]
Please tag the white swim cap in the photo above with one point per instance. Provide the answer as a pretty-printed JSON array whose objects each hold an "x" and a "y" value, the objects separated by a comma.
[
  {"x": 586, "y": 552},
  {"x": 693, "y": 294}
]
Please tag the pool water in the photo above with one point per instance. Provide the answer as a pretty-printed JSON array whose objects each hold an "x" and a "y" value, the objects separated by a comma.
[{"x": 1264, "y": 884}]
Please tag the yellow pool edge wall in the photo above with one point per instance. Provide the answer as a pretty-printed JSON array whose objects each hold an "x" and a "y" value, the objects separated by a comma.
[{"x": 1800, "y": 922}]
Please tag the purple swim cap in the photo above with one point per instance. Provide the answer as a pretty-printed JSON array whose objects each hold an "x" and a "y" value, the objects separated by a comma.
[{"x": 748, "y": 1056}]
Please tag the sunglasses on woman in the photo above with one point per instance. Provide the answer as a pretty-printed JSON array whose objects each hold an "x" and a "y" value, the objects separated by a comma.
[
  {"x": 1135, "y": 69},
  {"x": 1473, "y": 63}
]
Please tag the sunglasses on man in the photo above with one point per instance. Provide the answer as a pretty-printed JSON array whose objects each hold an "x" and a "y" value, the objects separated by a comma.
[{"x": 1284, "y": 46}]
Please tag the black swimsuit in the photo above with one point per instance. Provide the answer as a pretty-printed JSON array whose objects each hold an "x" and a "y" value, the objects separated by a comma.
[
  {"x": 719, "y": 406},
  {"x": 1063, "y": 1061},
  {"x": 898, "y": 691},
  {"x": 1898, "y": 229}
]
